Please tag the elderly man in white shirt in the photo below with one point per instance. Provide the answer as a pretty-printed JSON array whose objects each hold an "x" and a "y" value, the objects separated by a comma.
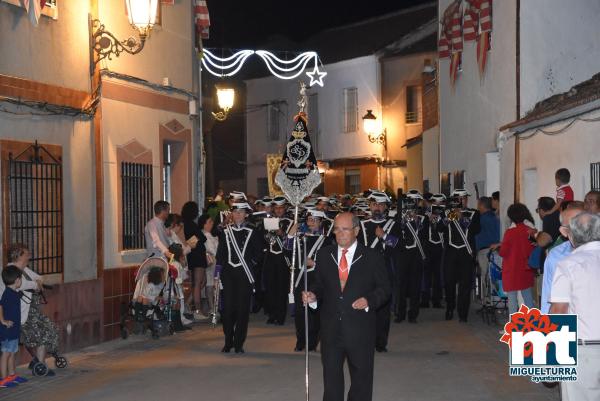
[{"x": 575, "y": 291}]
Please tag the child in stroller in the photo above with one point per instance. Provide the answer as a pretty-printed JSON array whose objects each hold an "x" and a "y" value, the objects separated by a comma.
[
  {"x": 146, "y": 307},
  {"x": 495, "y": 299},
  {"x": 155, "y": 303}
]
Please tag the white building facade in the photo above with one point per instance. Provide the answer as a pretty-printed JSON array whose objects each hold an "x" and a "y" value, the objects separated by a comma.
[{"x": 538, "y": 49}]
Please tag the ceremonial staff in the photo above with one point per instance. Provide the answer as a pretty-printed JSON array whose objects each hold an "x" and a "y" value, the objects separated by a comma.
[{"x": 297, "y": 177}]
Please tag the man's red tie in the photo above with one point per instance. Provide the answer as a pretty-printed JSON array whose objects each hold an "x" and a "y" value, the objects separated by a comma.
[{"x": 343, "y": 269}]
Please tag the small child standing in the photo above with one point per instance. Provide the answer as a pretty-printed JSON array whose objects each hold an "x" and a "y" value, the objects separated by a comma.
[
  {"x": 564, "y": 192},
  {"x": 10, "y": 326}
]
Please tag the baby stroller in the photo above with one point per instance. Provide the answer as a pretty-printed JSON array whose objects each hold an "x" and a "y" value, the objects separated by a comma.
[
  {"x": 39, "y": 368},
  {"x": 494, "y": 300},
  {"x": 152, "y": 305}
]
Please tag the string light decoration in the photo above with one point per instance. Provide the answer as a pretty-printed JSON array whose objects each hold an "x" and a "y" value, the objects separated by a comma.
[{"x": 282, "y": 69}]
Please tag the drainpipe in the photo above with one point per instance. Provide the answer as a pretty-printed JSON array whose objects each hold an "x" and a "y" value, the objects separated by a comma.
[{"x": 517, "y": 167}]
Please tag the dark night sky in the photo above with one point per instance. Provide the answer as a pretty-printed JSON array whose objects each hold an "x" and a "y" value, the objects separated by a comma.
[{"x": 250, "y": 23}]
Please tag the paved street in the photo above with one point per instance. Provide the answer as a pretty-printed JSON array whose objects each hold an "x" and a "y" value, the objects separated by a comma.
[{"x": 433, "y": 360}]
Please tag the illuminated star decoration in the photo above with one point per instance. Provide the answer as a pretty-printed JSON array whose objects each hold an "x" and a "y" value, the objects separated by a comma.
[
  {"x": 280, "y": 68},
  {"x": 320, "y": 75}
]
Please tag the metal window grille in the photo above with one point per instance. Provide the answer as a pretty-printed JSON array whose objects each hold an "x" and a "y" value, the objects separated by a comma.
[
  {"x": 595, "y": 175},
  {"x": 350, "y": 109},
  {"x": 136, "y": 184},
  {"x": 273, "y": 121},
  {"x": 35, "y": 207},
  {"x": 353, "y": 181}
]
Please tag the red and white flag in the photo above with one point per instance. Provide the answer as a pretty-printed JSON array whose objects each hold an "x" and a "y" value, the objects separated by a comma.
[
  {"x": 202, "y": 19},
  {"x": 477, "y": 27},
  {"x": 34, "y": 9},
  {"x": 452, "y": 27},
  {"x": 484, "y": 40},
  {"x": 168, "y": 2}
]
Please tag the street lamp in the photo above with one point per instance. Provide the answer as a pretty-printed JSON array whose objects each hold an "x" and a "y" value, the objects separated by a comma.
[
  {"x": 225, "y": 99},
  {"x": 142, "y": 17},
  {"x": 371, "y": 128}
]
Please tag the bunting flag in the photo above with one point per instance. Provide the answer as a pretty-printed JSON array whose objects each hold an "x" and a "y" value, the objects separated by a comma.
[
  {"x": 453, "y": 31},
  {"x": 34, "y": 10},
  {"x": 477, "y": 27},
  {"x": 484, "y": 42},
  {"x": 168, "y": 2},
  {"x": 201, "y": 19}
]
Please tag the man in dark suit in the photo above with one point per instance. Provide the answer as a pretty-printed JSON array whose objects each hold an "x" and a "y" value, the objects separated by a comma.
[{"x": 351, "y": 283}]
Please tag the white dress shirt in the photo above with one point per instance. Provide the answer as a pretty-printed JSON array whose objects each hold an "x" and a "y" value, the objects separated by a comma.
[
  {"x": 349, "y": 254},
  {"x": 576, "y": 282},
  {"x": 349, "y": 260}
]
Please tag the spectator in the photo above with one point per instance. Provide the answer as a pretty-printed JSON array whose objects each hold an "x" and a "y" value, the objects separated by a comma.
[
  {"x": 157, "y": 240},
  {"x": 38, "y": 333},
  {"x": 489, "y": 235},
  {"x": 550, "y": 216},
  {"x": 196, "y": 259},
  {"x": 515, "y": 249},
  {"x": 557, "y": 253},
  {"x": 174, "y": 226},
  {"x": 212, "y": 243},
  {"x": 564, "y": 192},
  {"x": 592, "y": 202},
  {"x": 575, "y": 291},
  {"x": 496, "y": 202},
  {"x": 219, "y": 195},
  {"x": 10, "y": 326}
]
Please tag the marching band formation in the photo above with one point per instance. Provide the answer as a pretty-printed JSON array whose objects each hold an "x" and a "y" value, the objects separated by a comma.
[{"x": 427, "y": 242}]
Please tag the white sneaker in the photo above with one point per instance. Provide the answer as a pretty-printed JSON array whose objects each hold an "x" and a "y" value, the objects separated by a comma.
[
  {"x": 200, "y": 316},
  {"x": 185, "y": 321}
]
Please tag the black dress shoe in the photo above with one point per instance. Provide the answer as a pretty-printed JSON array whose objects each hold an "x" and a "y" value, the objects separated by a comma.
[
  {"x": 412, "y": 320},
  {"x": 462, "y": 320},
  {"x": 381, "y": 349},
  {"x": 398, "y": 319},
  {"x": 449, "y": 314},
  {"x": 437, "y": 305},
  {"x": 424, "y": 305},
  {"x": 278, "y": 323},
  {"x": 226, "y": 349},
  {"x": 298, "y": 349},
  {"x": 270, "y": 321},
  {"x": 239, "y": 350}
]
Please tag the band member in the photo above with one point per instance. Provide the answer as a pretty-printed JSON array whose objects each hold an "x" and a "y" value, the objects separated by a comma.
[
  {"x": 256, "y": 221},
  {"x": 434, "y": 251},
  {"x": 381, "y": 233},
  {"x": 224, "y": 217},
  {"x": 409, "y": 269},
  {"x": 350, "y": 285},
  {"x": 316, "y": 238},
  {"x": 461, "y": 225},
  {"x": 277, "y": 266},
  {"x": 238, "y": 252}
]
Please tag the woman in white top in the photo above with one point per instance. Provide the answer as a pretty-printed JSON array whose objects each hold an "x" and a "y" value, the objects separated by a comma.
[
  {"x": 38, "y": 333},
  {"x": 211, "y": 244}
]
